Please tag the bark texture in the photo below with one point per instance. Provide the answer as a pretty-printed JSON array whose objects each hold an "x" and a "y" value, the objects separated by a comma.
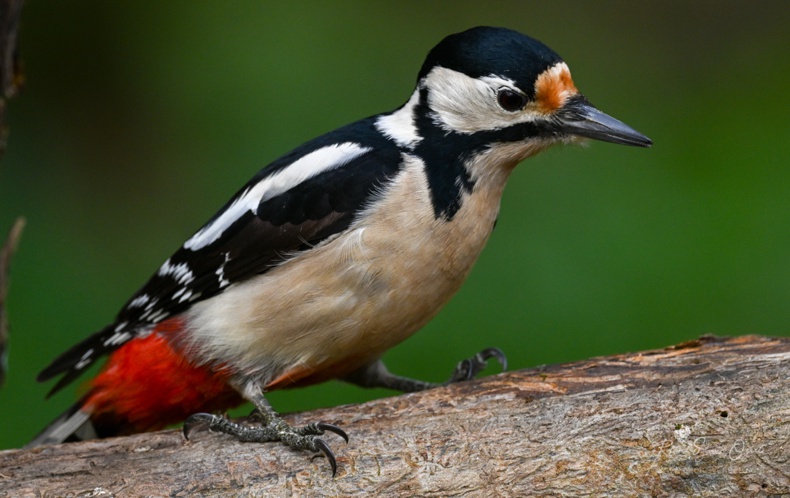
[{"x": 710, "y": 417}]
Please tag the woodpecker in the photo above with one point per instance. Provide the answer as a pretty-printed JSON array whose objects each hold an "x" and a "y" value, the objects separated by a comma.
[{"x": 334, "y": 253}]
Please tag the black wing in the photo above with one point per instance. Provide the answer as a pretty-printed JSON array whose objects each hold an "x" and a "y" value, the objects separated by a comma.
[{"x": 250, "y": 242}]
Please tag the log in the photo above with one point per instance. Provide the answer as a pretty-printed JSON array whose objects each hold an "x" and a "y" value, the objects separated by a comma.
[{"x": 710, "y": 417}]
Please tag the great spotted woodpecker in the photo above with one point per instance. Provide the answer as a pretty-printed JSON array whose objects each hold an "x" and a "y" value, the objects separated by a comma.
[{"x": 334, "y": 253}]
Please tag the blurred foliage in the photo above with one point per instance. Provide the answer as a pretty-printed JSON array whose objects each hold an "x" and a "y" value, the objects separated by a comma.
[{"x": 139, "y": 119}]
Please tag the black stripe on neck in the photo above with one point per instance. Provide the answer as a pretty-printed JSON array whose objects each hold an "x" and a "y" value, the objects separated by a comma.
[{"x": 446, "y": 154}]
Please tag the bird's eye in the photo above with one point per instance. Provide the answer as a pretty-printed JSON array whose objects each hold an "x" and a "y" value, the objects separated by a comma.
[{"x": 510, "y": 100}]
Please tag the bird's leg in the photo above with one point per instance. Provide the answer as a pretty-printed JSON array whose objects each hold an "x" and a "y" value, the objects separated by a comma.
[
  {"x": 272, "y": 428},
  {"x": 377, "y": 375}
]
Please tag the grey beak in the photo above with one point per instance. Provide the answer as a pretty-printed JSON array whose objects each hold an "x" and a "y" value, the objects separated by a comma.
[{"x": 579, "y": 117}]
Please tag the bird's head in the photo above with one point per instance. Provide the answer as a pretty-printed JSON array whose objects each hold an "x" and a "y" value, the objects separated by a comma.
[{"x": 497, "y": 86}]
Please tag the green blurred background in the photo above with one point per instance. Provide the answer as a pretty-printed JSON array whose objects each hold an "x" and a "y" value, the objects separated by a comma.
[{"x": 139, "y": 119}]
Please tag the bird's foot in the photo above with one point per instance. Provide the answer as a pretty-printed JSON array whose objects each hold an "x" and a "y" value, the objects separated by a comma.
[
  {"x": 469, "y": 368},
  {"x": 300, "y": 438}
]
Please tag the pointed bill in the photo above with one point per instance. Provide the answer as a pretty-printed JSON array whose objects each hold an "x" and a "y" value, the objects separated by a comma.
[{"x": 579, "y": 117}]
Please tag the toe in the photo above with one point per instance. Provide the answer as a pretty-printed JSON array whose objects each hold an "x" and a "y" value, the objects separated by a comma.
[
  {"x": 496, "y": 353},
  {"x": 197, "y": 422},
  {"x": 333, "y": 428},
  {"x": 324, "y": 448}
]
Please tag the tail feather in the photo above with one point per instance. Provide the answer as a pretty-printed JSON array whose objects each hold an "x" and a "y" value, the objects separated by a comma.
[
  {"x": 72, "y": 425},
  {"x": 146, "y": 385},
  {"x": 73, "y": 362}
]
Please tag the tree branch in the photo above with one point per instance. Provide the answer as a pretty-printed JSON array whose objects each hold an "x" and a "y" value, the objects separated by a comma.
[
  {"x": 10, "y": 83},
  {"x": 6, "y": 251},
  {"x": 11, "y": 77},
  {"x": 705, "y": 418}
]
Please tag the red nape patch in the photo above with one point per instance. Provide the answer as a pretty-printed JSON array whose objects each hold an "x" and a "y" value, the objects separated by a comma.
[{"x": 146, "y": 385}]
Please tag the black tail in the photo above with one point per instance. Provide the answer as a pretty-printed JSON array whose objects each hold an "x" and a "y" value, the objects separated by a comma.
[{"x": 79, "y": 357}]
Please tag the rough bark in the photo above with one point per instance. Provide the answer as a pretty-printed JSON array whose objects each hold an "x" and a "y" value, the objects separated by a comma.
[{"x": 709, "y": 417}]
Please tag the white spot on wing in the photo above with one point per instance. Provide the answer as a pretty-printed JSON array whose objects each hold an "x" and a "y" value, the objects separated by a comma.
[
  {"x": 304, "y": 168},
  {"x": 117, "y": 338},
  {"x": 183, "y": 294},
  {"x": 139, "y": 301},
  {"x": 186, "y": 296},
  {"x": 85, "y": 360},
  {"x": 158, "y": 316},
  {"x": 223, "y": 282},
  {"x": 180, "y": 272}
]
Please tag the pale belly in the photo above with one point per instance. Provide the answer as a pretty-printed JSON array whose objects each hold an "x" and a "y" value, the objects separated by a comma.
[{"x": 353, "y": 297}]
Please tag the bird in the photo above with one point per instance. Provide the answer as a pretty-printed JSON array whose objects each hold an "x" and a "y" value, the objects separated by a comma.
[{"x": 333, "y": 254}]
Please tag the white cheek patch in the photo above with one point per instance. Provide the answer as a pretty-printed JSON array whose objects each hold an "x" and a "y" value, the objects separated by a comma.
[
  {"x": 468, "y": 105},
  {"x": 304, "y": 168}
]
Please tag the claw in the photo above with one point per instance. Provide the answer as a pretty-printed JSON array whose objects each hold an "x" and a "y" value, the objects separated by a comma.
[
  {"x": 197, "y": 421},
  {"x": 466, "y": 370},
  {"x": 332, "y": 428},
  {"x": 324, "y": 448},
  {"x": 273, "y": 428},
  {"x": 470, "y": 367},
  {"x": 493, "y": 353}
]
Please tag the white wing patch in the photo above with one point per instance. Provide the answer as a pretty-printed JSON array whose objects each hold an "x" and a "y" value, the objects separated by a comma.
[{"x": 306, "y": 167}]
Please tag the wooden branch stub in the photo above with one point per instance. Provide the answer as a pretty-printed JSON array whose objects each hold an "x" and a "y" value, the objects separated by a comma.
[
  {"x": 709, "y": 417},
  {"x": 10, "y": 83},
  {"x": 11, "y": 76},
  {"x": 10, "y": 71},
  {"x": 6, "y": 252}
]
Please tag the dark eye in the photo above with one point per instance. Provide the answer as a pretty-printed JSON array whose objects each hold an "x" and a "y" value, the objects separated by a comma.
[{"x": 510, "y": 100}]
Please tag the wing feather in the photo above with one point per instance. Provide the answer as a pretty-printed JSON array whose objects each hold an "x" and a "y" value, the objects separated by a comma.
[{"x": 255, "y": 231}]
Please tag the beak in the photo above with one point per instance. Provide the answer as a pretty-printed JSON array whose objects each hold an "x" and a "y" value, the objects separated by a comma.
[{"x": 579, "y": 117}]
